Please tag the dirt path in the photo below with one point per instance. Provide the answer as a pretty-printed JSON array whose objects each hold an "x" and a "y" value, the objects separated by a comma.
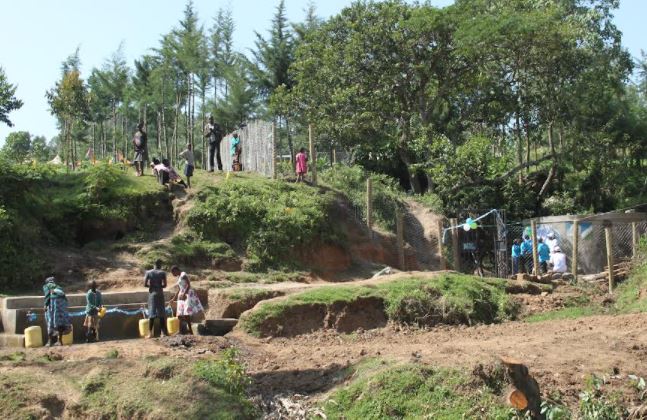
[
  {"x": 561, "y": 354},
  {"x": 421, "y": 232}
]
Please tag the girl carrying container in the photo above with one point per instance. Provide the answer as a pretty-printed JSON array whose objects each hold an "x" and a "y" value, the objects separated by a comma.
[
  {"x": 56, "y": 314},
  {"x": 92, "y": 306}
]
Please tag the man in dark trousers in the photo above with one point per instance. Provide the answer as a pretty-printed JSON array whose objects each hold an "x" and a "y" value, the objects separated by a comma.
[
  {"x": 214, "y": 134},
  {"x": 140, "y": 141},
  {"x": 155, "y": 280}
]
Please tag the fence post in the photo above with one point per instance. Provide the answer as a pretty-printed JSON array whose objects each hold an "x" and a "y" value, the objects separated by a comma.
[
  {"x": 399, "y": 228},
  {"x": 334, "y": 156},
  {"x": 441, "y": 251},
  {"x": 634, "y": 239},
  {"x": 576, "y": 241},
  {"x": 313, "y": 155},
  {"x": 369, "y": 204},
  {"x": 275, "y": 171},
  {"x": 457, "y": 254},
  {"x": 535, "y": 257},
  {"x": 609, "y": 240}
]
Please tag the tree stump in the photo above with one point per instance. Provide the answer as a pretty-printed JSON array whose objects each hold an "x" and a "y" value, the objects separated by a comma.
[{"x": 525, "y": 394}]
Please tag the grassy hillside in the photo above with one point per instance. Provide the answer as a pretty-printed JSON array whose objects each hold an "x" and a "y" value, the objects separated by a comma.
[
  {"x": 446, "y": 299},
  {"x": 44, "y": 206}
]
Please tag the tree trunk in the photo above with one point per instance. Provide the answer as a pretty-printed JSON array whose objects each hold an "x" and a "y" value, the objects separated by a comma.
[
  {"x": 290, "y": 145},
  {"x": 519, "y": 145},
  {"x": 114, "y": 132},
  {"x": 94, "y": 142},
  {"x": 551, "y": 173},
  {"x": 527, "y": 125},
  {"x": 202, "y": 137},
  {"x": 175, "y": 127},
  {"x": 403, "y": 152}
]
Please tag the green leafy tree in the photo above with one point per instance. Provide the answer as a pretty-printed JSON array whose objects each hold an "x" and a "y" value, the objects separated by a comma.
[
  {"x": 17, "y": 146},
  {"x": 8, "y": 100},
  {"x": 68, "y": 100}
]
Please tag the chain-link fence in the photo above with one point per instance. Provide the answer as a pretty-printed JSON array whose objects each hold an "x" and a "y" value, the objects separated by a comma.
[{"x": 592, "y": 256}]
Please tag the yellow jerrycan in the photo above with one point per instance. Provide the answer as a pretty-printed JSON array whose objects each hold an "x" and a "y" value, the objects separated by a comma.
[
  {"x": 68, "y": 338},
  {"x": 172, "y": 325},
  {"x": 102, "y": 312},
  {"x": 144, "y": 327},
  {"x": 33, "y": 337}
]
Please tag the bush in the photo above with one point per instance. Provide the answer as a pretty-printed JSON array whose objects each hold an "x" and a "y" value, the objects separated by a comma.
[
  {"x": 226, "y": 372},
  {"x": 270, "y": 220}
]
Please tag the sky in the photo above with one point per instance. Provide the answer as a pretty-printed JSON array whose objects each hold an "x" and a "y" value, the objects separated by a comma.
[{"x": 37, "y": 35}]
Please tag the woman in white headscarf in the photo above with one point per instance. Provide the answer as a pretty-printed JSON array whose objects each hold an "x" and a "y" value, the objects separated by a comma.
[{"x": 188, "y": 302}]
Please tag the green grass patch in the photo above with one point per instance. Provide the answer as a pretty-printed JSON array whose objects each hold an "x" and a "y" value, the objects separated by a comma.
[
  {"x": 43, "y": 206},
  {"x": 266, "y": 278},
  {"x": 270, "y": 220},
  {"x": 412, "y": 391},
  {"x": 632, "y": 294},
  {"x": 573, "y": 312},
  {"x": 448, "y": 298},
  {"x": 187, "y": 249}
]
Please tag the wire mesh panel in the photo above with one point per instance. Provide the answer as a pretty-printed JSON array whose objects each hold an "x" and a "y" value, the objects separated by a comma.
[{"x": 257, "y": 148}]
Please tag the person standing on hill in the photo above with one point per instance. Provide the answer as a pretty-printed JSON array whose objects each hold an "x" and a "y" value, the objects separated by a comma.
[
  {"x": 188, "y": 302},
  {"x": 155, "y": 280},
  {"x": 301, "y": 165},
  {"x": 56, "y": 313},
  {"x": 543, "y": 253},
  {"x": 93, "y": 304},
  {"x": 214, "y": 133},
  {"x": 139, "y": 144},
  {"x": 190, "y": 163}
]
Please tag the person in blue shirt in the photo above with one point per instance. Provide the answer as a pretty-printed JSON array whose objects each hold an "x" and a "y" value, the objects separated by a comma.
[
  {"x": 526, "y": 254},
  {"x": 543, "y": 252},
  {"x": 516, "y": 256}
]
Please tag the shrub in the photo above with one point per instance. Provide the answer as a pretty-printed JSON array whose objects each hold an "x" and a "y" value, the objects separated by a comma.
[
  {"x": 226, "y": 372},
  {"x": 270, "y": 220}
]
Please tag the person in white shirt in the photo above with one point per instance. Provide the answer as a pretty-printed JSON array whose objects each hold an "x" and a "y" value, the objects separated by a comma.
[
  {"x": 558, "y": 260},
  {"x": 190, "y": 163},
  {"x": 551, "y": 241}
]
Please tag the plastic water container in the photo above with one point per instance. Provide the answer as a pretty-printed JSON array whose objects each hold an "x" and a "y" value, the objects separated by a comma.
[
  {"x": 68, "y": 338},
  {"x": 102, "y": 312},
  {"x": 173, "y": 325},
  {"x": 33, "y": 337},
  {"x": 144, "y": 327}
]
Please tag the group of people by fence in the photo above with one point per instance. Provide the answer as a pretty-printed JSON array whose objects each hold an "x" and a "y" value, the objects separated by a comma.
[
  {"x": 166, "y": 174},
  {"x": 59, "y": 323},
  {"x": 549, "y": 255}
]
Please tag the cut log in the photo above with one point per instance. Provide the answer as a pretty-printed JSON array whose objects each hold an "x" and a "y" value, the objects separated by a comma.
[{"x": 519, "y": 377}]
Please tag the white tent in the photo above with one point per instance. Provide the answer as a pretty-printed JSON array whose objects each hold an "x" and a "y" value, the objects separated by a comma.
[{"x": 56, "y": 161}]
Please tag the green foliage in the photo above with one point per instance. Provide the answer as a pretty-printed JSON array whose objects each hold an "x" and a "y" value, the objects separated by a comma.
[
  {"x": 44, "y": 207},
  {"x": 226, "y": 372},
  {"x": 409, "y": 391},
  {"x": 8, "y": 100},
  {"x": 351, "y": 181},
  {"x": 447, "y": 298},
  {"x": 631, "y": 295},
  {"x": 17, "y": 146},
  {"x": 187, "y": 249},
  {"x": 269, "y": 219},
  {"x": 594, "y": 405}
]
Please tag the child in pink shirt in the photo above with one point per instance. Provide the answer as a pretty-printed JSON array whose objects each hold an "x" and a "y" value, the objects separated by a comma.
[{"x": 302, "y": 165}]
